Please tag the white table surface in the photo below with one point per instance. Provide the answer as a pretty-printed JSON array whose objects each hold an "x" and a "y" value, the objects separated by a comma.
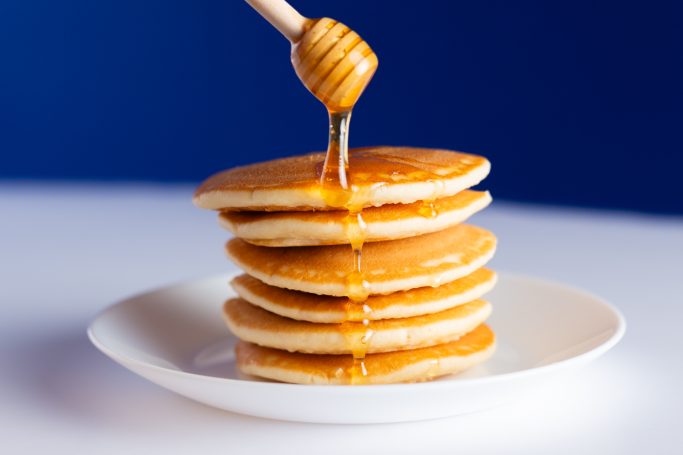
[{"x": 67, "y": 251}]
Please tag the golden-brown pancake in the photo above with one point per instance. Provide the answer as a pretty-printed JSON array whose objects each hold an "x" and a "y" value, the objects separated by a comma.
[
  {"x": 328, "y": 309},
  {"x": 256, "y": 325},
  {"x": 394, "y": 265},
  {"x": 388, "y": 222},
  {"x": 378, "y": 175},
  {"x": 385, "y": 368}
]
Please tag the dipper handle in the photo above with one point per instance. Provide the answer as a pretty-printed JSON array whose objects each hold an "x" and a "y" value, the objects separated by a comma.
[{"x": 282, "y": 16}]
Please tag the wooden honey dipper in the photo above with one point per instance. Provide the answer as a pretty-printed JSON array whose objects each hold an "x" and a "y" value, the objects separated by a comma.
[{"x": 332, "y": 61}]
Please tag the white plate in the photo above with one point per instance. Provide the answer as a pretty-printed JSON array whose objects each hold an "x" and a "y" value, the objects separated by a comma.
[{"x": 176, "y": 337}]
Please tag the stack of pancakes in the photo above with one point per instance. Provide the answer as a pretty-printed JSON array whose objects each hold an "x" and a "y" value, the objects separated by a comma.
[{"x": 422, "y": 269}]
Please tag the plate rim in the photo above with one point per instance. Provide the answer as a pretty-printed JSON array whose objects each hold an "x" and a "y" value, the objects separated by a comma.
[{"x": 593, "y": 353}]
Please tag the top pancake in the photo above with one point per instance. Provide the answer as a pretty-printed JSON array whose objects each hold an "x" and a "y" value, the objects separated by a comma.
[{"x": 378, "y": 175}]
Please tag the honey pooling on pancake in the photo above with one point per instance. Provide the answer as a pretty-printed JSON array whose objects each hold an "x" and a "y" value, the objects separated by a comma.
[
  {"x": 344, "y": 182},
  {"x": 337, "y": 179}
]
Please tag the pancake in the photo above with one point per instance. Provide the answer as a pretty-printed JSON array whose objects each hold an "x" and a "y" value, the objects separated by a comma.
[
  {"x": 378, "y": 175},
  {"x": 388, "y": 222},
  {"x": 391, "y": 367},
  {"x": 256, "y": 325},
  {"x": 391, "y": 266},
  {"x": 327, "y": 309}
]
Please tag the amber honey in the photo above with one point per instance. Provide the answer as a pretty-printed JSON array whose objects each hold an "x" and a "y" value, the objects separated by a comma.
[
  {"x": 428, "y": 209},
  {"x": 338, "y": 192},
  {"x": 341, "y": 179}
]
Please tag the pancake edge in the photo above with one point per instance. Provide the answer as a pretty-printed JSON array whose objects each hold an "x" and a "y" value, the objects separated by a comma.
[
  {"x": 415, "y": 372},
  {"x": 375, "y": 287},
  {"x": 310, "y": 198},
  {"x": 396, "y": 311},
  {"x": 335, "y": 342},
  {"x": 279, "y": 233}
]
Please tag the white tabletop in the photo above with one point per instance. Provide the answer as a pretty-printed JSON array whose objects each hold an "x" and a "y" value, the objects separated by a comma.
[{"x": 67, "y": 251}]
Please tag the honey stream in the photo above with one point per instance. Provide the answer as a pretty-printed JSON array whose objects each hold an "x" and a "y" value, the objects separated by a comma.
[{"x": 338, "y": 192}]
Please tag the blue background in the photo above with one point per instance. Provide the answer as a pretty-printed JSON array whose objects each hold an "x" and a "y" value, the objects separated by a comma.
[{"x": 575, "y": 103}]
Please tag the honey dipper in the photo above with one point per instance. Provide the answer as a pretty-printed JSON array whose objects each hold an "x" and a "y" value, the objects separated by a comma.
[{"x": 331, "y": 60}]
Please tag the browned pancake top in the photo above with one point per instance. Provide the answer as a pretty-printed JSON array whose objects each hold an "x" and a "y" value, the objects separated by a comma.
[{"x": 367, "y": 166}]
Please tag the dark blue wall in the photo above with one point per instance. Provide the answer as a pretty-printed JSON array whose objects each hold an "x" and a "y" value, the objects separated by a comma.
[{"x": 574, "y": 102}]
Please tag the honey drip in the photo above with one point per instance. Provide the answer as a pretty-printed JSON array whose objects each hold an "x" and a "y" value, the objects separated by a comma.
[
  {"x": 334, "y": 182},
  {"x": 339, "y": 193},
  {"x": 348, "y": 191},
  {"x": 427, "y": 209}
]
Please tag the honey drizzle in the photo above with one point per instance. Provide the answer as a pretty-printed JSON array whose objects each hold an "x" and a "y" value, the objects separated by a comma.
[
  {"x": 334, "y": 183},
  {"x": 339, "y": 193},
  {"x": 428, "y": 209}
]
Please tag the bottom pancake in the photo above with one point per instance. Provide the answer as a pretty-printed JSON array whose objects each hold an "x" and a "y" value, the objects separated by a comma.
[{"x": 386, "y": 368}]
